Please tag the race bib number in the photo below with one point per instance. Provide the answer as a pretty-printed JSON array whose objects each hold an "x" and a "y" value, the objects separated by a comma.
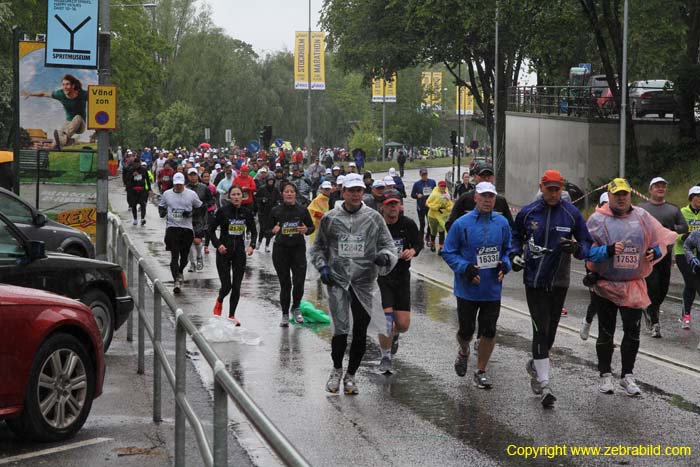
[
  {"x": 177, "y": 214},
  {"x": 398, "y": 243},
  {"x": 487, "y": 257},
  {"x": 236, "y": 227},
  {"x": 289, "y": 228},
  {"x": 166, "y": 178},
  {"x": 693, "y": 225},
  {"x": 427, "y": 190},
  {"x": 628, "y": 259},
  {"x": 138, "y": 178},
  {"x": 352, "y": 246}
]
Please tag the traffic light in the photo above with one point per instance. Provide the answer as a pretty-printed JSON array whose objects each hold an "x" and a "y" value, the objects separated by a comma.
[
  {"x": 453, "y": 138},
  {"x": 266, "y": 136}
]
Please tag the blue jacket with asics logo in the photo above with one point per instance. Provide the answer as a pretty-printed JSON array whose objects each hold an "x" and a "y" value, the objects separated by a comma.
[{"x": 538, "y": 229}]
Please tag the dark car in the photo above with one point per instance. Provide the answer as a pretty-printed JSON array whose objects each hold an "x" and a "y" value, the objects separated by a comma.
[
  {"x": 51, "y": 363},
  {"x": 35, "y": 225},
  {"x": 98, "y": 284},
  {"x": 654, "y": 96}
]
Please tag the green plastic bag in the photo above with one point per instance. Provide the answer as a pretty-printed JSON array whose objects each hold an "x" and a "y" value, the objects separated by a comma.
[{"x": 312, "y": 314}]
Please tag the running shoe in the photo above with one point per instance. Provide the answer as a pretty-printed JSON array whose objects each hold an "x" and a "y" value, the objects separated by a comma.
[
  {"x": 284, "y": 323},
  {"x": 143, "y": 222},
  {"x": 200, "y": 264},
  {"x": 482, "y": 381},
  {"x": 298, "y": 318},
  {"x": 267, "y": 248},
  {"x": 385, "y": 365},
  {"x": 461, "y": 364},
  {"x": 685, "y": 322},
  {"x": 647, "y": 319},
  {"x": 176, "y": 289},
  {"x": 432, "y": 247},
  {"x": 191, "y": 268},
  {"x": 564, "y": 312},
  {"x": 656, "y": 330},
  {"x": 206, "y": 250},
  {"x": 585, "y": 329},
  {"x": 439, "y": 251},
  {"x": 333, "y": 383},
  {"x": 395, "y": 344},
  {"x": 548, "y": 398},
  {"x": 630, "y": 385},
  {"x": 217, "y": 307},
  {"x": 136, "y": 222},
  {"x": 349, "y": 386},
  {"x": 234, "y": 320},
  {"x": 534, "y": 382},
  {"x": 606, "y": 385}
]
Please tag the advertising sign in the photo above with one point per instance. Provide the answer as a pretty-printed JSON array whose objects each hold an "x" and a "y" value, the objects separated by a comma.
[
  {"x": 71, "y": 33},
  {"x": 384, "y": 90}
]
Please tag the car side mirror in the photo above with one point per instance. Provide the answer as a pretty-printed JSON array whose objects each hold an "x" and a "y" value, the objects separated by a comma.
[
  {"x": 37, "y": 249},
  {"x": 40, "y": 219}
]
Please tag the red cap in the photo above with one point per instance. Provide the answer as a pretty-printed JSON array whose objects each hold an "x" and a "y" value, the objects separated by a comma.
[
  {"x": 244, "y": 168},
  {"x": 552, "y": 177},
  {"x": 442, "y": 183}
]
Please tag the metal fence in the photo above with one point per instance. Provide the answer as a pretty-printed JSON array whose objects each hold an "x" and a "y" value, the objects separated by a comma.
[
  {"x": 573, "y": 101},
  {"x": 123, "y": 252}
]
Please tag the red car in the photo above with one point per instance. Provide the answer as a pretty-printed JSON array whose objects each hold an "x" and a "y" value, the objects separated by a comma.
[{"x": 51, "y": 363}]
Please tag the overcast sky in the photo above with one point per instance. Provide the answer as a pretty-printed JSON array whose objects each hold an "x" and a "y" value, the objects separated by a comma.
[{"x": 268, "y": 25}]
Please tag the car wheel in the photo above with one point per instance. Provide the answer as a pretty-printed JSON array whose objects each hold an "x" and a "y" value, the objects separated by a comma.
[
  {"x": 59, "y": 391},
  {"x": 101, "y": 307},
  {"x": 75, "y": 251}
]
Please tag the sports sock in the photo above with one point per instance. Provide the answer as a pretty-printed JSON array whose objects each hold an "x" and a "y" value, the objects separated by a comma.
[{"x": 542, "y": 367}]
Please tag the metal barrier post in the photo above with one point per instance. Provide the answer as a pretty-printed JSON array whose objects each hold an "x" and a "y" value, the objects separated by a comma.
[
  {"x": 180, "y": 388},
  {"x": 220, "y": 419},
  {"x": 130, "y": 280},
  {"x": 156, "y": 361},
  {"x": 120, "y": 250},
  {"x": 142, "y": 314}
]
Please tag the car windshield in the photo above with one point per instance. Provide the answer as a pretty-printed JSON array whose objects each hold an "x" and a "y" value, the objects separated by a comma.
[
  {"x": 10, "y": 247},
  {"x": 653, "y": 84}
]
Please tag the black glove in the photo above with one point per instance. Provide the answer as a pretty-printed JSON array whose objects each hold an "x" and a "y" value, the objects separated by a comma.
[
  {"x": 610, "y": 250},
  {"x": 501, "y": 268},
  {"x": 471, "y": 272},
  {"x": 162, "y": 211},
  {"x": 382, "y": 260},
  {"x": 590, "y": 279},
  {"x": 326, "y": 275},
  {"x": 186, "y": 213},
  {"x": 517, "y": 262},
  {"x": 570, "y": 246}
]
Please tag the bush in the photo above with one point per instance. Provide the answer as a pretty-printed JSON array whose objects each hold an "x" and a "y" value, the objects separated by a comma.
[{"x": 661, "y": 158}]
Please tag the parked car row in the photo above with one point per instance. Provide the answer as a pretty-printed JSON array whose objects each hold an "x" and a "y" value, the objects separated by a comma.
[{"x": 648, "y": 97}]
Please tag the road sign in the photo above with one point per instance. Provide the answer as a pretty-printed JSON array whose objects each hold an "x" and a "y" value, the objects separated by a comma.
[
  {"x": 474, "y": 144},
  {"x": 587, "y": 66},
  {"x": 71, "y": 34},
  {"x": 102, "y": 107},
  {"x": 227, "y": 138}
]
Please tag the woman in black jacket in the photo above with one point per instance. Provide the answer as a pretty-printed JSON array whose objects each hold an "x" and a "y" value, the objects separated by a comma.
[
  {"x": 267, "y": 197},
  {"x": 233, "y": 219},
  {"x": 290, "y": 222}
]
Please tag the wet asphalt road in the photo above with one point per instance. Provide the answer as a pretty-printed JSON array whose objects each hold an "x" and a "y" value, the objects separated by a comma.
[{"x": 424, "y": 414}]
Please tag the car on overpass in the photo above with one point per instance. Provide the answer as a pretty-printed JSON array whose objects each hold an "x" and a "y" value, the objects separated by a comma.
[
  {"x": 51, "y": 363},
  {"x": 653, "y": 96}
]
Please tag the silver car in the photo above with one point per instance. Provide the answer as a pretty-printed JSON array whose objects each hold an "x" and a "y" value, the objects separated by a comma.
[
  {"x": 36, "y": 226},
  {"x": 653, "y": 96}
]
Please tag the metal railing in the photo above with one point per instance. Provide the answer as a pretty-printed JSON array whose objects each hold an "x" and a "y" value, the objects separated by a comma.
[
  {"x": 123, "y": 251},
  {"x": 572, "y": 101}
]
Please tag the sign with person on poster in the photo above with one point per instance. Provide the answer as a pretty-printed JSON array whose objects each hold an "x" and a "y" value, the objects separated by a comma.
[{"x": 71, "y": 33}]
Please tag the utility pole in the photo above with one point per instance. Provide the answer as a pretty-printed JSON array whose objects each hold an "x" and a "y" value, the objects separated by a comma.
[
  {"x": 308, "y": 99},
  {"x": 103, "y": 74},
  {"x": 494, "y": 146},
  {"x": 623, "y": 97},
  {"x": 383, "y": 118}
]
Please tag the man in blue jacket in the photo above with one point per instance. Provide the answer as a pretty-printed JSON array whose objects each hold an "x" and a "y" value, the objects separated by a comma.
[
  {"x": 543, "y": 242},
  {"x": 420, "y": 192},
  {"x": 477, "y": 250}
]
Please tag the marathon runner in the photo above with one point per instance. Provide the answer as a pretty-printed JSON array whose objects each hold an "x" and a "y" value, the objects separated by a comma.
[
  {"x": 268, "y": 197},
  {"x": 199, "y": 219},
  {"x": 290, "y": 222},
  {"x": 543, "y": 245},
  {"x": 670, "y": 217},
  {"x": 588, "y": 281},
  {"x": 233, "y": 220},
  {"x": 137, "y": 183},
  {"x": 477, "y": 250},
  {"x": 439, "y": 206},
  {"x": 211, "y": 209},
  {"x": 420, "y": 192},
  {"x": 686, "y": 265},
  {"x": 177, "y": 205},
  {"x": 395, "y": 287},
  {"x": 353, "y": 245}
]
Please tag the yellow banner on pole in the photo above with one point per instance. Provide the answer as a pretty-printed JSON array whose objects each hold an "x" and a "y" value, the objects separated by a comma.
[
  {"x": 301, "y": 54},
  {"x": 318, "y": 70},
  {"x": 437, "y": 89},
  {"x": 431, "y": 83},
  {"x": 384, "y": 91},
  {"x": 465, "y": 101}
]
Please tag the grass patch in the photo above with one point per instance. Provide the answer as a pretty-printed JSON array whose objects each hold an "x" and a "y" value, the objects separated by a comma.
[{"x": 64, "y": 167}]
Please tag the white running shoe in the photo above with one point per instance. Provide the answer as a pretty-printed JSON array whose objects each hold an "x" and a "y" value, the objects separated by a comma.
[
  {"x": 385, "y": 365},
  {"x": 534, "y": 382},
  {"x": 630, "y": 385},
  {"x": 333, "y": 384},
  {"x": 349, "y": 386},
  {"x": 606, "y": 385},
  {"x": 585, "y": 329}
]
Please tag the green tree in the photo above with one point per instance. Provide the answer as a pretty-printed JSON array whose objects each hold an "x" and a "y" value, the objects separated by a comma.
[
  {"x": 177, "y": 126},
  {"x": 365, "y": 135}
]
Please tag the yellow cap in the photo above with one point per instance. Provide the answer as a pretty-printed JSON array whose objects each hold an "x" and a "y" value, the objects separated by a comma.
[{"x": 619, "y": 184}]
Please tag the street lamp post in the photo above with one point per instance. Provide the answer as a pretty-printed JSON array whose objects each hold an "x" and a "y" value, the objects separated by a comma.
[{"x": 623, "y": 96}]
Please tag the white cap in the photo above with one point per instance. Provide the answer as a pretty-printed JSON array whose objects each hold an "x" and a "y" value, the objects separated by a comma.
[
  {"x": 378, "y": 184},
  {"x": 178, "y": 179},
  {"x": 143, "y": 164},
  {"x": 604, "y": 198},
  {"x": 328, "y": 171},
  {"x": 340, "y": 180},
  {"x": 352, "y": 164},
  {"x": 278, "y": 165},
  {"x": 217, "y": 166},
  {"x": 327, "y": 185},
  {"x": 694, "y": 190},
  {"x": 262, "y": 169},
  {"x": 389, "y": 181},
  {"x": 485, "y": 187},
  {"x": 392, "y": 171},
  {"x": 196, "y": 165},
  {"x": 192, "y": 170},
  {"x": 353, "y": 181},
  {"x": 657, "y": 180},
  {"x": 335, "y": 167},
  {"x": 191, "y": 159}
]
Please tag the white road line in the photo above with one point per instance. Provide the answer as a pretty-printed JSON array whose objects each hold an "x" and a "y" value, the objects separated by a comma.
[
  {"x": 668, "y": 362},
  {"x": 44, "y": 452}
]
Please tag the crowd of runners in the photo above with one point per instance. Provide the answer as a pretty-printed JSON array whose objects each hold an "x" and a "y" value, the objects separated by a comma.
[{"x": 361, "y": 241}]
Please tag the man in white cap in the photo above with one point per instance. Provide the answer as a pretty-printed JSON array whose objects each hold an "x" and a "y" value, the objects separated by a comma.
[
  {"x": 352, "y": 168},
  {"x": 375, "y": 198},
  {"x": 336, "y": 195},
  {"x": 353, "y": 246},
  {"x": 398, "y": 182},
  {"x": 177, "y": 206},
  {"x": 670, "y": 216},
  {"x": 476, "y": 249}
]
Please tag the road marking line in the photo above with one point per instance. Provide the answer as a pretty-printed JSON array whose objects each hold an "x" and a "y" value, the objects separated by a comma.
[
  {"x": 686, "y": 368},
  {"x": 44, "y": 452}
]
